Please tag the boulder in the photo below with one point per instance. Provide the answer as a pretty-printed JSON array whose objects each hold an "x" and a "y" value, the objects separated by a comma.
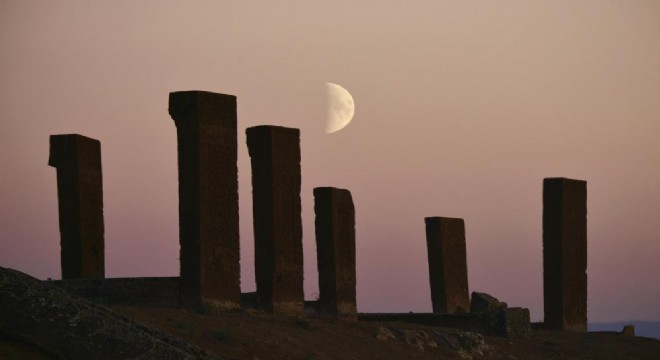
[
  {"x": 384, "y": 334},
  {"x": 419, "y": 339},
  {"x": 467, "y": 344}
]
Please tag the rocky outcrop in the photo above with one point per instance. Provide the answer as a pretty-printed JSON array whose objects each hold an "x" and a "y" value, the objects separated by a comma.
[
  {"x": 467, "y": 345},
  {"x": 63, "y": 326}
]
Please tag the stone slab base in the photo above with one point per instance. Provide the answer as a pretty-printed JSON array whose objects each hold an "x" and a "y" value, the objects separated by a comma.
[{"x": 507, "y": 323}]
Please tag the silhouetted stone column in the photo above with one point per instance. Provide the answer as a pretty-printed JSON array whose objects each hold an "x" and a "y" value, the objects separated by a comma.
[
  {"x": 565, "y": 254},
  {"x": 275, "y": 157},
  {"x": 208, "y": 198},
  {"x": 80, "y": 197},
  {"x": 335, "y": 251},
  {"x": 445, "y": 241}
]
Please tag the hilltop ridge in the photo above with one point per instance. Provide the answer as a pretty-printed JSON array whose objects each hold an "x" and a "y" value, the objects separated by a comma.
[{"x": 42, "y": 321}]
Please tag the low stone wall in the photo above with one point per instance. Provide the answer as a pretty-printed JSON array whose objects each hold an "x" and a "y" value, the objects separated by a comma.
[
  {"x": 510, "y": 322},
  {"x": 164, "y": 291},
  {"x": 140, "y": 291}
]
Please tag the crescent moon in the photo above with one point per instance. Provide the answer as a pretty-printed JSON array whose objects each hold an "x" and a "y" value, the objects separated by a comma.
[{"x": 341, "y": 108}]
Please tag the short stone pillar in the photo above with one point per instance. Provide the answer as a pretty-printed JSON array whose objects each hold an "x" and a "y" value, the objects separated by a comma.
[
  {"x": 628, "y": 330},
  {"x": 445, "y": 240},
  {"x": 512, "y": 322},
  {"x": 565, "y": 254},
  {"x": 208, "y": 198},
  {"x": 335, "y": 251},
  {"x": 275, "y": 157},
  {"x": 80, "y": 200}
]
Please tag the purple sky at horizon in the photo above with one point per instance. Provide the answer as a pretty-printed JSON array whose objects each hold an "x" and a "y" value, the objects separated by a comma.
[{"x": 462, "y": 108}]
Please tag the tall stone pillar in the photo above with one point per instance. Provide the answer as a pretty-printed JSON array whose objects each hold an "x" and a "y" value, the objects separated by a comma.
[
  {"x": 445, "y": 241},
  {"x": 275, "y": 158},
  {"x": 80, "y": 200},
  {"x": 335, "y": 251},
  {"x": 565, "y": 254},
  {"x": 208, "y": 198}
]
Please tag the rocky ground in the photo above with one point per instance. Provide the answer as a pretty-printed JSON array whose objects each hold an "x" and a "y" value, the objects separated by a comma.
[
  {"x": 255, "y": 335},
  {"x": 41, "y": 321}
]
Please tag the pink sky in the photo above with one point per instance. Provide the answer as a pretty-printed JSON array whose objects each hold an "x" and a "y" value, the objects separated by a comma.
[{"x": 462, "y": 108}]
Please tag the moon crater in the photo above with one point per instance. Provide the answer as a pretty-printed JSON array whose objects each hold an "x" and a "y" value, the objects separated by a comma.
[{"x": 341, "y": 108}]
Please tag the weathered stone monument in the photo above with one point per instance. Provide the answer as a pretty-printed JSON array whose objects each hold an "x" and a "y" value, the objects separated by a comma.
[
  {"x": 208, "y": 198},
  {"x": 565, "y": 254},
  {"x": 80, "y": 201},
  {"x": 275, "y": 158},
  {"x": 445, "y": 240},
  {"x": 335, "y": 251}
]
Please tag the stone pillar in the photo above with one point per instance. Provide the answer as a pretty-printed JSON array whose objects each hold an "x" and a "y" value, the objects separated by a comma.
[
  {"x": 565, "y": 254},
  {"x": 275, "y": 158},
  {"x": 445, "y": 241},
  {"x": 80, "y": 197},
  {"x": 208, "y": 198},
  {"x": 335, "y": 251}
]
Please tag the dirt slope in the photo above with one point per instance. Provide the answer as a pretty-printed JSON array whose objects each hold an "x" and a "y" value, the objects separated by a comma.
[{"x": 254, "y": 335}]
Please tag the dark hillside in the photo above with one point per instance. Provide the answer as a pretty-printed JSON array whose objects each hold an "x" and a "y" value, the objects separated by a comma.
[{"x": 41, "y": 321}]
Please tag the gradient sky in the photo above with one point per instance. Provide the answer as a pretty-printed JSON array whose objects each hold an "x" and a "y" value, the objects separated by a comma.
[{"x": 462, "y": 108}]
